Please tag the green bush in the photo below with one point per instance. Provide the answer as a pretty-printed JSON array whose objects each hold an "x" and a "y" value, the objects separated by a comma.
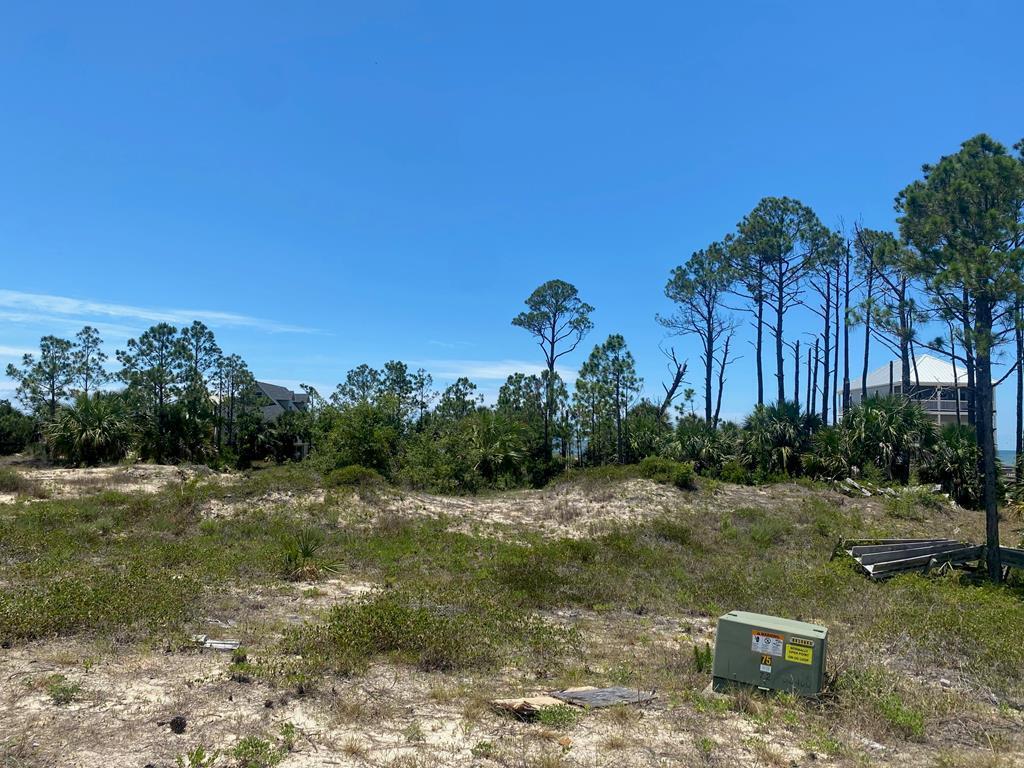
[
  {"x": 94, "y": 429},
  {"x": 139, "y": 597},
  {"x": 12, "y": 481},
  {"x": 734, "y": 472},
  {"x": 256, "y": 752},
  {"x": 679, "y": 474},
  {"x": 353, "y": 475},
  {"x": 953, "y": 464},
  {"x": 16, "y": 429},
  {"x": 449, "y": 629}
]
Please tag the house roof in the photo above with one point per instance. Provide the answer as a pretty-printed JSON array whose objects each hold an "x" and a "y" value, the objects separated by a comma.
[
  {"x": 931, "y": 371},
  {"x": 277, "y": 392}
]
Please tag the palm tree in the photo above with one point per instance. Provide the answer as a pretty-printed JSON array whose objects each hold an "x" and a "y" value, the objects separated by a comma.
[
  {"x": 891, "y": 432},
  {"x": 94, "y": 429},
  {"x": 776, "y": 436},
  {"x": 497, "y": 444}
]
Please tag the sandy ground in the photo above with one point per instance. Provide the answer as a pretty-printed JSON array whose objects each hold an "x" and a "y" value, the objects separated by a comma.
[
  {"x": 395, "y": 715},
  {"x": 64, "y": 482},
  {"x": 391, "y": 716}
]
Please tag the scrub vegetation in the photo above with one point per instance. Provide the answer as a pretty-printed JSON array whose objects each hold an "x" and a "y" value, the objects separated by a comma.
[{"x": 455, "y": 609}]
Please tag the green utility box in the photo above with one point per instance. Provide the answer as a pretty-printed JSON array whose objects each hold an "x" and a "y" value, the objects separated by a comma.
[{"x": 769, "y": 652}]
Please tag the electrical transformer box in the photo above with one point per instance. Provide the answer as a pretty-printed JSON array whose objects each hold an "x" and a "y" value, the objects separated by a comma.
[{"x": 769, "y": 652}]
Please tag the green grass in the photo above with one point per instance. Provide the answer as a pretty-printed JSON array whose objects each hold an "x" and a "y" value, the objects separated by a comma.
[
  {"x": 913, "y": 504},
  {"x": 560, "y": 718},
  {"x": 134, "y": 567},
  {"x": 12, "y": 481},
  {"x": 439, "y": 629}
]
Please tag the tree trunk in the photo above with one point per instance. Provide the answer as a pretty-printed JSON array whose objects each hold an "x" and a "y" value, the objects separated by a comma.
[
  {"x": 827, "y": 337},
  {"x": 814, "y": 385},
  {"x": 796, "y": 375},
  {"x": 1019, "y": 431},
  {"x": 972, "y": 406},
  {"x": 867, "y": 338},
  {"x": 721, "y": 377},
  {"x": 808, "y": 403},
  {"x": 759, "y": 345},
  {"x": 835, "y": 355},
  {"x": 846, "y": 335},
  {"x": 618, "y": 422},
  {"x": 780, "y": 373},
  {"x": 904, "y": 340},
  {"x": 709, "y": 359},
  {"x": 986, "y": 440},
  {"x": 956, "y": 376},
  {"x": 550, "y": 385}
]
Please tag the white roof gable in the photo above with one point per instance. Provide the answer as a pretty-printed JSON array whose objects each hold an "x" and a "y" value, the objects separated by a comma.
[{"x": 931, "y": 371}]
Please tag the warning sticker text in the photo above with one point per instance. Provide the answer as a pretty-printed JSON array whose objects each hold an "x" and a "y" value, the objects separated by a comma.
[
  {"x": 799, "y": 654},
  {"x": 766, "y": 642}
]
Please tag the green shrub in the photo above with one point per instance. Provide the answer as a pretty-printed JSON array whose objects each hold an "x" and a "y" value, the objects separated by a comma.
[
  {"x": 256, "y": 752},
  {"x": 139, "y": 597},
  {"x": 95, "y": 428},
  {"x": 455, "y": 628},
  {"x": 16, "y": 429},
  {"x": 703, "y": 658},
  {"x": 353, "y": 475},
  {"x": 911, "y": 503},
  {"x": 302, "y": 561},
  {"x": 61, "y": 691},
  {"x": 734, "y": 472},
  {"x": 198, "y": 757},
  {"x": 12, "y": 481},
  {"x": 560, "y": 717},
  {"x": 660, "y": 470},
  {"x": 953, "y": 464}
]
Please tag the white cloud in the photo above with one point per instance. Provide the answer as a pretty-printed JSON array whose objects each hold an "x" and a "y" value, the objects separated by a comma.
[
  {"x": 38, "y": 307},
  {"x": 8, "y": 387},
  {"x": 15, "y": 353}
]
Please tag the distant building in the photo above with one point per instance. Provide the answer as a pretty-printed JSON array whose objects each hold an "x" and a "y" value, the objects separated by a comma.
[
  {"x": 932, "y": 384},
  {"x": 281, "y": 400}
]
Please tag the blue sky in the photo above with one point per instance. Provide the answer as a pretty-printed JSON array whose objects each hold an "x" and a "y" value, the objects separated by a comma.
[{"x": 330, "y": 184}]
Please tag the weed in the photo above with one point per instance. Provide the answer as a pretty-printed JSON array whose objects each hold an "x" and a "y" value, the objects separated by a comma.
[
  {"x": 561, "y": 717},
  {"x": 197, "y": 758},
  {"x": 353, "y": 476},
  {"x": 703, "y": 658},
  {"x": 904, "y": 718},
  {"x": 61, "y": 691},
  {"x": 301, "y": 560},
  {"x": 413, "y": 733},
  {"x": 822, "y": 742},
  {"x": 913, "y": 504},
  {"x": 12, "y": 481},
  {"x": 705, "y": 747},
  {"x": 256, "y": 752},
  {"x": 353, "y": 747},
  {"x": 483, "y": 749},
  {"x": 440, "y": 630},
  {"x": 289, "y": 735}
]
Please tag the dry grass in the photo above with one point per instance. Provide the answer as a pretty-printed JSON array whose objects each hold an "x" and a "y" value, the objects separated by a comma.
[{"x": 636, "y": 572}]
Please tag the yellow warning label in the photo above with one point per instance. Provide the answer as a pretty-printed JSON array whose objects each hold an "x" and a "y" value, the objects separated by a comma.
[
  {"x": 801, "y": 641},
  {"x": 799, "y": 654}
]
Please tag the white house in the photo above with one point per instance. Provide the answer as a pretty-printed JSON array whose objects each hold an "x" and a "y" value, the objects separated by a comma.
[{"x": 932, "y": 383}]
